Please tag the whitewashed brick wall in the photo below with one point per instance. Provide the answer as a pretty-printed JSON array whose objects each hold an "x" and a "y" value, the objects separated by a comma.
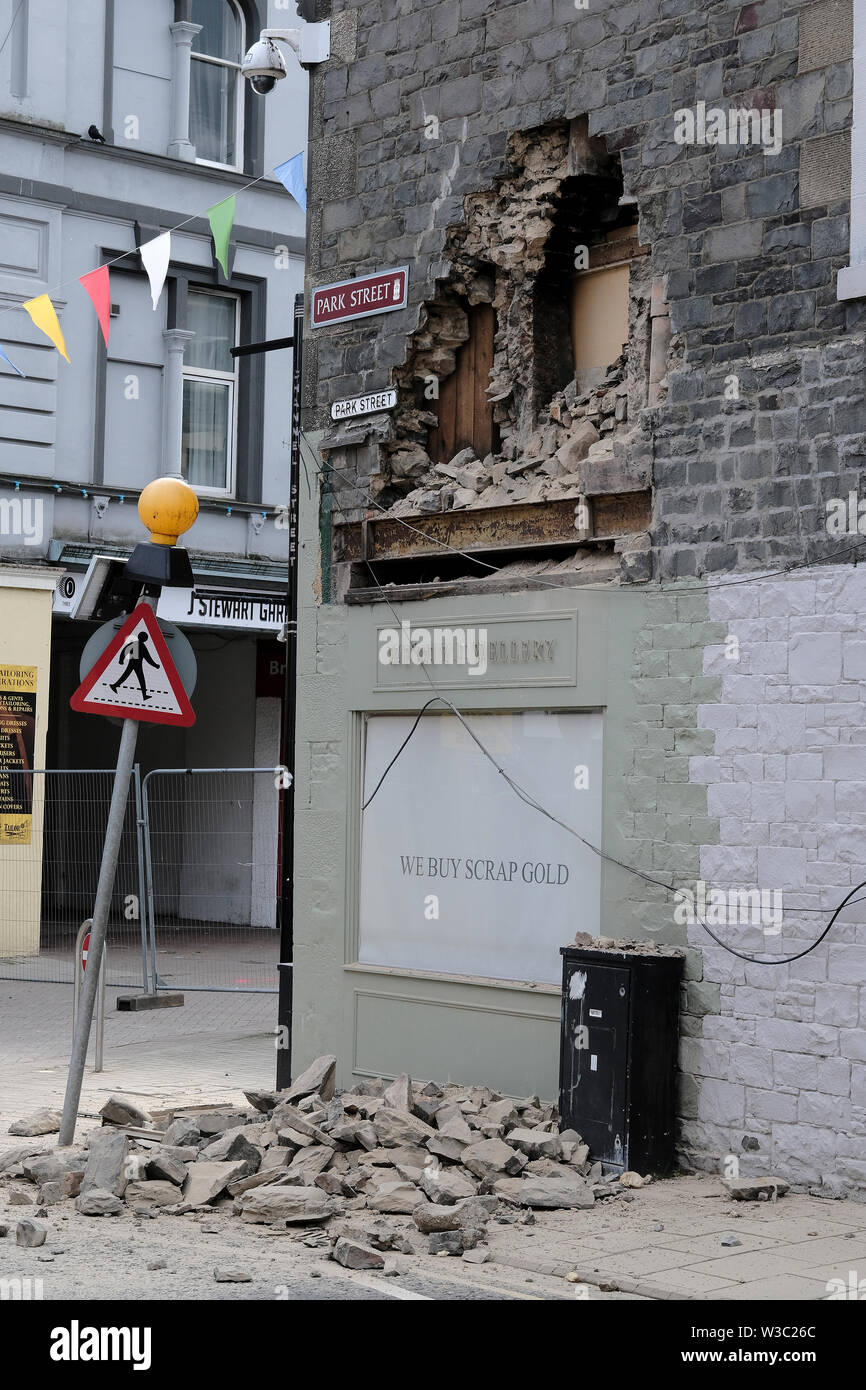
[{"x": 784, "y": 1062}]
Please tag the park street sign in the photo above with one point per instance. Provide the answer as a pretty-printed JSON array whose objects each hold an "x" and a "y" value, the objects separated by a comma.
[
  {"x": 135, "y": 678},
  {"x": 364, "y": 405},
  {"x": 379, "y": 293}
]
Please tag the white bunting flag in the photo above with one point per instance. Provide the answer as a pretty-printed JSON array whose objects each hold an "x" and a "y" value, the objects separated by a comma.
[{"x": 155, "y": 256}]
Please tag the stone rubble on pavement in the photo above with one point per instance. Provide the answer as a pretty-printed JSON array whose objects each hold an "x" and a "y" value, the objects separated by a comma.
[{"x": 447, "y": 1159}]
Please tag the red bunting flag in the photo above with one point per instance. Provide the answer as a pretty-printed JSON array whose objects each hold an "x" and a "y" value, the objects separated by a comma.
[{"x": 96, "y": 284}]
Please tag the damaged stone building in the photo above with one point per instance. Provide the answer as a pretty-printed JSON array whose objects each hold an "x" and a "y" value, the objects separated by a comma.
[{"x": 580, "y": 647}]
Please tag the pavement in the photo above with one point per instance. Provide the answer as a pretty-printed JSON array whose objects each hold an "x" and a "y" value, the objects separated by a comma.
[{"x": 671, "y": 1242}]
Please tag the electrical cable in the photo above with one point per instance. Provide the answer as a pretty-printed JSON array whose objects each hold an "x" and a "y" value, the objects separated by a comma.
[{"x": 11, "y": 25}]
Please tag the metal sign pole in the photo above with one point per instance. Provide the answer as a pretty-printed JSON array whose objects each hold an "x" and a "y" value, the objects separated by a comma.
[
  {"x": 80, "y": 972},
  {"x": 104, "y": 890}
]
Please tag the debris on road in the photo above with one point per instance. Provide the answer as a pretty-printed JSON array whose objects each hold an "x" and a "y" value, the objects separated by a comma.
[{"x": 449, "y": 1158}]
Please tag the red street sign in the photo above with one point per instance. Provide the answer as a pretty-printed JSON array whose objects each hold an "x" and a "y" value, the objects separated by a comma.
[
  {"x": 135, "y": 678},
  {"x": 358, "y": 299},
  {"x": 85, "y": 947}
]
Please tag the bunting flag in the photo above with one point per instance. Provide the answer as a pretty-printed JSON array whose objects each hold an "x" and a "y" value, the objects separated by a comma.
[
  {"x": 11, "y": 363},
  {"x": 221, "y": 217},
  {"x": 155, "y": 256},
  {"x": 96, "y": 283},
  {"x": 291, "y": 176},
  {"x": 41, "y": 311}
]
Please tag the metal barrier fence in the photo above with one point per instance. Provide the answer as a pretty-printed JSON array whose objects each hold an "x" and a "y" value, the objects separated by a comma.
[
  {"x": 212, "y": 872},
  {"x": 194, "y": 904},
  {"x": 50, "y": 852}
]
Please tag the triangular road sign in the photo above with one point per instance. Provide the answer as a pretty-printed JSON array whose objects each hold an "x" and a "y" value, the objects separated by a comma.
[{"x": 135, "y": 678}]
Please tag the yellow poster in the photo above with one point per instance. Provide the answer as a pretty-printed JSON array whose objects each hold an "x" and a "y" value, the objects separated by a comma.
[{"x": 17, "y": 741}]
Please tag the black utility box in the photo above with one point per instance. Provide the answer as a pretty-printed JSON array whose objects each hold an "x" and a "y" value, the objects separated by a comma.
[{"x": 618, "y": 1056}]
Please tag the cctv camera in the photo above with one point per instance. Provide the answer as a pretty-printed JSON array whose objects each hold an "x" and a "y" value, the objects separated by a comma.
[{"x": 264, "y": 65}]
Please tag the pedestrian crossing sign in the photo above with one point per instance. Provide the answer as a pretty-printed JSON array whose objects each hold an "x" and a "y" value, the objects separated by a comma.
[{"x": 135, "y": 677}]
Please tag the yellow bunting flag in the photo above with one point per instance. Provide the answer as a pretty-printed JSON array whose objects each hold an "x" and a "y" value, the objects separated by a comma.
[{"x": 41, "y": 310}]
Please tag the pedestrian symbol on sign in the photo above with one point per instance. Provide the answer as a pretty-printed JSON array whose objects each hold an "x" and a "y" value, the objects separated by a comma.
[{"x": 135, "y": 654}]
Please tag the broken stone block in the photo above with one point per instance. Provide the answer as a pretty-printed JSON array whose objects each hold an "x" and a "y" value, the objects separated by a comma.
[
  {"x": 352, "y": 1255},
  {"x": 463, "y": 497},
  {"x": 455, "y": 1128},
  {"x": 232, "y": 1276},
  {"x": 182, "y": 1131},
  {"x": 430, "y": 1216},
  {"x": 629, "y": 1179},
  {"x": 756, "y": 1189},
  {"x": 277, "y": 1156},
  {"x": 294, "y": 1205},
  {"x": 318, "y": 1079},
  {"x": 565, "y": 1189},
  {"x": 501, "y": 1112},
  {"x": 393, "y": 1198},
  {"x": 307, "y": 1164},
  {"x": 399, "y": 1093},
  {"x": 262, "y": 1100},
  {"x": 106, "y": 1169},
  {"x": 232, "y": 1145},
  {"x": 118, "y": 1110},
  {"x": 51, "y": 1193},
  {"x": 394, "y": 1128},
  {"x": 153, "y": 1193},
  {"x": 535, "y": 1143},
  {"x": 205, "y": 1181},
  {"x": 70, "y": 1183},
  {"x": 445, "y": 1186},
  {"x": 445, "y": 1243},
  {"x": 443, "y": 1147},
  {"x": 477, "y": 1256},
  {"x": 20, "y": 1197},
  {"x": 214, "y": 1122},
  {"x": 294, "y": 1139},
  {"x": 164, "y": 1167},
  {"x": 505, "y": 1187},
  {"x": 40, "y": 1122},
  {"x": 493, "y": 1157},
  {"x": 288, "y": 1116},
  {"x": 331, "y": 1183},
  {"x": 98, "y": 1203},
  {"x": 30, "y": 1234},
  {"x": 541, "y": 1168}
]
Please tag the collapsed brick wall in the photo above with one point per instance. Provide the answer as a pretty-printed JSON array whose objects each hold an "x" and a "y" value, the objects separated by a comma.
[{"x": 748, "y": 246}]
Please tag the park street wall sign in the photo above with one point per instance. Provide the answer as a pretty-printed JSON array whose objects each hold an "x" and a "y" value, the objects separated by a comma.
[
  {"x": 364, "y": 405},
  {"x": 379, "y": 293}
]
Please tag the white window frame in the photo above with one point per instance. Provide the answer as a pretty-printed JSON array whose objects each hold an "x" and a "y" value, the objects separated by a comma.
[
  {"x": 231, "y": 378},
  {"x": 239, "y": 96},
  {"x": 851, "y": 283}
]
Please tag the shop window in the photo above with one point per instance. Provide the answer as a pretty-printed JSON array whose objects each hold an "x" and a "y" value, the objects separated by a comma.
[
  {"x": 210, "y": 393},
  {"x": 216, "y": 95},
  {"x": 464, "y": 410}
]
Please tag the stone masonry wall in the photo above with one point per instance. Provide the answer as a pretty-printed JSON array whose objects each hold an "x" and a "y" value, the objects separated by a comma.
[
  {"x": 742, "y": 770},
  {"x": 749, "y": 243}
]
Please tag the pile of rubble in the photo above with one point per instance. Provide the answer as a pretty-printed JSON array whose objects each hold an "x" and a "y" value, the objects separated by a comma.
[
  {"x": 450, "y": 1158},
  {"x": 580, "y": 447}
]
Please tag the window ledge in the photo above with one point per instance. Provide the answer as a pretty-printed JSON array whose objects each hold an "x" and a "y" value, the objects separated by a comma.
[{"x": 852, "y": 283}]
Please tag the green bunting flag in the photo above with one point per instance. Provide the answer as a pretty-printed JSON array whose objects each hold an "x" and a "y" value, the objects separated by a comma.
[{"x": 221, "y": 217}]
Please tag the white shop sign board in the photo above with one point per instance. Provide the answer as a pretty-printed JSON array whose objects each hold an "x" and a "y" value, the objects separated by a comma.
[{"x": 511, "y": 886}]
